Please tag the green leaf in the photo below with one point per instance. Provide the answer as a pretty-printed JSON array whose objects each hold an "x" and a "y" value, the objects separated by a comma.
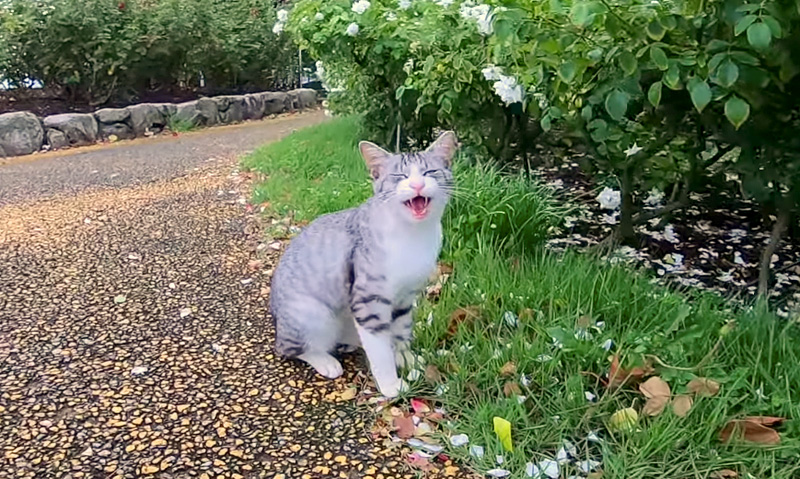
[
  {"x": 567, "y": 71},
  {"x": 737, "y": 111},
  {"x": 556, "y": 7},
  {"x": 700, "y": 93},
  {"x": 743, "y": 23},
  {"x": 774, "y": 26},
  {"x": 399, "y": 92},
  {"x": 654, "y": 93},
  {"x": 586, "y": 113},
  {"x": 628, "y": 62},
  {"x": 546, "y": 123},
  {"x": 583, "y": 13},
  {"x": 715, "y": 45},
  {"x": 727, "y": 73},
  {"x": 655, "y": 30},
  {"x": 659, "y": 58},
  {"x": 617, "y": 104},
  {"x": 672, "y": 78},
  {"x": 745, "y": 58},
  {"x": 759, "y": 35}
]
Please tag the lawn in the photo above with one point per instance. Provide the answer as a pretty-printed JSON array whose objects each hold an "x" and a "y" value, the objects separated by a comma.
[{"x": 528, "y": 336}]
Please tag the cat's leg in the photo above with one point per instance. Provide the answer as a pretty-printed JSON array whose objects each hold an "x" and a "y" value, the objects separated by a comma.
[
  {"x": 349, "y": 341},
  {"x": 402, "y": 334},
  {"x": 309, "y": 331},
  {"x": 373, "y": 316}
]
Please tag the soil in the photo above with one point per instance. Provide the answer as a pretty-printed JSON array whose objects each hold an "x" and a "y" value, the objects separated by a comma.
[{"x": 714, "y": 244}]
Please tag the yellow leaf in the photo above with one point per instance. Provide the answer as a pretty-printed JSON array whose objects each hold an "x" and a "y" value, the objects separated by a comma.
[
  {"x": 503, "y": 430},
  {"x": 451, "y": 471},
  {"x": 624, "y": 419}
]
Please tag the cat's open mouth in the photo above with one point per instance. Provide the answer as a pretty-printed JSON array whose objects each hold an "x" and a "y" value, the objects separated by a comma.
[{"x": 418, "y": 206}]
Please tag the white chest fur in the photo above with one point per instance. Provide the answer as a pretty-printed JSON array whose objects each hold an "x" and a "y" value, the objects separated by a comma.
[{"x": 411, "y": 256}]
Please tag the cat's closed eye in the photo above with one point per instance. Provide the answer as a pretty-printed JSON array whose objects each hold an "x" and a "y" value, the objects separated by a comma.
[
  {"x": 399, "y": 175},
  {"x": 431, "y": 172}
]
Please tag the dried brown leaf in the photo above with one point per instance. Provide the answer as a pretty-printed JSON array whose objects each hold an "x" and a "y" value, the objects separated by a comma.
[
  {"x": 432, "y": 374},
  {"x": 526, "y": 314},
  {"x": 512, "y": 389},
  {"x": 766, "y": 420},
  {"x": 404, "y": 425},
  {"x": 618, "y": 376},
  {"x": 723, "y": 474},
  {"x": 751, "y": 431},
  {"x": 682, "y": 404},
  {"x": 462, "y": 315},
  {"x": 703, "y": 387},
  {"x": 508, "y": 369}
]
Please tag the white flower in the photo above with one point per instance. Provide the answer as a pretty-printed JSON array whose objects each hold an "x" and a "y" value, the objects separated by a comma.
[
  {"x": 737, "y": 258},
  {"x": 485, "y": 26},
  {"x": 607, "y": 345},
  {"x": 408, "y": 66},
  {"x": 352, "y": 29},
  {"x": 508, "y": 89},
  {"x": 654, "y": 198},
  {"x": 444, "y": 3},
  {"x": 482, "y": 14},
  {"x": 404, "y": 4},
  {"x": 277, "y": 28},
  {"x": 361, "y": 6},
  {"x": 669, "y": 234},
  {"x": 492, "y": 72},
  {"x": 319, "y": 17},
  {"x": 633, "y": 149},
  {"x": 390, "y": 16},
  {"x": 283, "y": 15},
  {"x": 609, "y": 199}
]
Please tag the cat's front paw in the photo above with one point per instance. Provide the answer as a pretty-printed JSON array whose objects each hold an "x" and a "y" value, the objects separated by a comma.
[
  {"x": 391, "y": 389},
  {"x": 407, "y": 359}
]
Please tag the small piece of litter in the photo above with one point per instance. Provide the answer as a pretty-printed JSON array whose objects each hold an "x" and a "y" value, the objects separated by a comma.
[
  {"x": 592, "y": 437},
  {"x": 414, "y": 442},
  {"x": 119, "y": 299},
  {"x": 217, "y": 348},
  {"x": 562, "y": 456},
  {"x": 459, "y": 440},
  {"x": 186, "y": 312},
  {"x": 511, "y": 319},
  {"x": 138, "y": 370},
  {"x": 549, "y": 468},
  {"x": 521, "y": 399},
  {"x": 441, "y": 390},
  {"x": 525, "y": 380},
  {"x": 414, "y": 375},
  {"x": 134, "y": 257},
  {"x": 608, "y": 344},
  {"x": 543, "y": 358},
  {"x": 588, "y": 465},
  {"x": 498, "y": 473},
  {"x": 531, "y": 470},
  {"x": 275, "y": 245},
  {"x": 476, "y": 451},
  {"x": 589, "y": 396},
  {"x": 499, "y": 460}
]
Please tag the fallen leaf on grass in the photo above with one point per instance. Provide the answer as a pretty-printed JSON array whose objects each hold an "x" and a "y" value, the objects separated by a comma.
[
  {"x": 750, "y": 430},
  {"x": 503, "y": 430},
  {"x": 432, "y": 374},
  {"x": 618, "y": 377},
  {"x": 451, "y": 471},
  {"x": 462, "y": 315},
  {"x": 417, "y": 461},
  {"x": 766, "y": 420},
  {"x": 624, "y": 420},
  {"x": 512, "y": 389},
  {"x": 682, "y": 404},
  {"x": 404, "y": 426},
  {"x": 723, "y": 474},
  {"x": 508, "y": 369},
  {"x": 526, "y": 314},
  {"x": 419, "y": 406},
  {"x": 703, "y": 387},
  {"x": 657, "y": 392}
]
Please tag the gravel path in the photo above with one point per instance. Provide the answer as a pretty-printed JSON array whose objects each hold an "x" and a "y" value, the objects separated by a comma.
[{"x": 134, "y": 338}]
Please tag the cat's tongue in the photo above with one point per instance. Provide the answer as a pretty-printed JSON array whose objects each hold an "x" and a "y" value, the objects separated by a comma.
[{"x": 419, "y": 206}]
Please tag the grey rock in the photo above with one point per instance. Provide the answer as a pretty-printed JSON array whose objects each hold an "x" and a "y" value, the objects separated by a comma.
[
  {"x": 208, "y": 108},
  {"x": 21, "y": 133},
  {"x": 303, "y": 98},
  {"x": 231, "y": 108},
  {"x": 121, "y": 130},
  {"x": 147, "y": 117},
  {"x": 79, "y": 128},
  {"x": 202, "y": 112},
  {"x": 112, "y": 115},
  {"x": 274, "y": 102},
  {"x": 254, "y": 107},
  {"x": 56, "y": 139}
]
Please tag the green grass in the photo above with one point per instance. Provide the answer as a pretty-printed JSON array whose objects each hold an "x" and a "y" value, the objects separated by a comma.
[
  {"x": 494, "y": 231},
  {"x": 179, "y": 125}
]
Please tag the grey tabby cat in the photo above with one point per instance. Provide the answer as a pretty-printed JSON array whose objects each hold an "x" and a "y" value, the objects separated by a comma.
[{"x": 350, "y": 278}]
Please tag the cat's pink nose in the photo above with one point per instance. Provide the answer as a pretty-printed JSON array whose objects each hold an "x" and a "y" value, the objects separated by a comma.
[{"x": 417, "y": 186}]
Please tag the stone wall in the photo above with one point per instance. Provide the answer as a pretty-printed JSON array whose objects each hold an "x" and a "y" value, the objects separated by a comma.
[{"x": 23, "y": 133}]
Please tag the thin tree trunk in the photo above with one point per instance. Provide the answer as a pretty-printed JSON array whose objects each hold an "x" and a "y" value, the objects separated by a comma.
[
  {"x": 626, "y": 212},
  {"x": 784, "y": 214}
]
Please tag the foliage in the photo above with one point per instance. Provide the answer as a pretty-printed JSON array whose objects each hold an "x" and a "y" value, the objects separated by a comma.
[
  {"x": 681, "y": 95},
  {"x": 93, "y": 50}
]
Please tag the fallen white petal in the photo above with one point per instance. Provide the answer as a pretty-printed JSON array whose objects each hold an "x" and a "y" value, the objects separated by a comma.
[
  {"x": 589, "y": 396},
  {"x": 588, "y": 465},
  {"x": 476, "y": 451},
  {"x": 414, "y": 375},
  {"x": 592, "y": 437},
  {"x": 521, "y": 399},
  {"x": 562, "y": 456},
  {"x": 499, "y": 460},
  {"x": 531, "y": 470},
  {"x": 186, "y": 312},
  {"x": 459, "y": 440},
  {"x": 549, "y": 468},
  {"x": 498, "y": 473},
  {"x": 139, "y": 370}
]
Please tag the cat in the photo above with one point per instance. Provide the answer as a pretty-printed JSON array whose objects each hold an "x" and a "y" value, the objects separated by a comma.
[{"x": 350, "y": 279}]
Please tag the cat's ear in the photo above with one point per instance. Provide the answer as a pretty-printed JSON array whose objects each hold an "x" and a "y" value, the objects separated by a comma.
[
  {"x": 444, "y": 148},
  {"x": 374, "y": 156}
]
